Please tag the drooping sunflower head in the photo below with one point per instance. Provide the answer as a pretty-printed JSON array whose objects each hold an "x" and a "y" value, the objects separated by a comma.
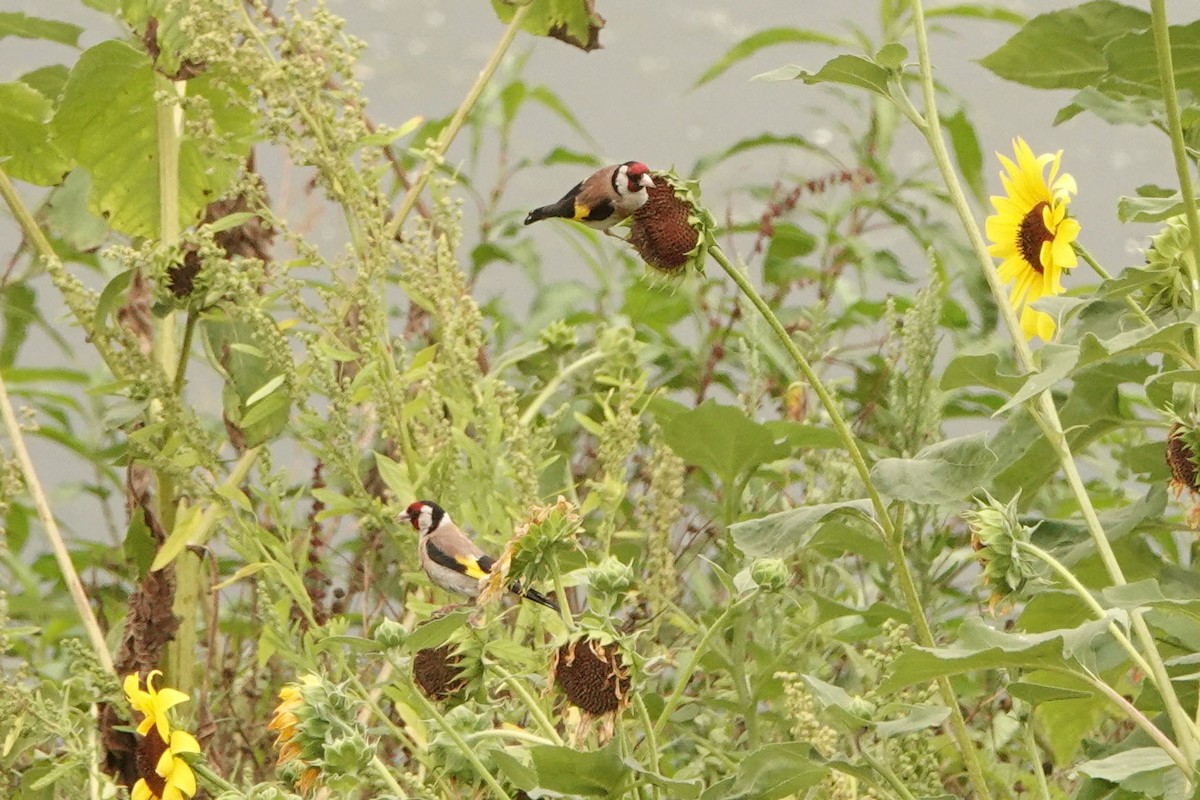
[
  {"x": 672, "y": 229},
  {"x": 1031, "y": 233},
  {"x": 592, "y": 673},
  {"x": 546, "y": 533},
  {"x": 318, "y": 735},
  {"x": 996, "y": 535},
  {"x": 1182, "y": 444}
]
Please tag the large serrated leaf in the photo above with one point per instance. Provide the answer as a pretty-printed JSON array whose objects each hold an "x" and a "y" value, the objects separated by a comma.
[
  {"x": 722, "y": 440},
  {"x": 24, "y": 136},
  {"x": 107, "y": 122},
  {"x": 572, "y": 21},
  {"x": 941, "y": 473},
  {"x": 786, "y": 531}
]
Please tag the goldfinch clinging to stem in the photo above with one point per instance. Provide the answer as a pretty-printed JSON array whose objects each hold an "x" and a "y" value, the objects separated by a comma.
[
  {"x": 451, "y": 560},
  {"x": 603, "y": 199}
]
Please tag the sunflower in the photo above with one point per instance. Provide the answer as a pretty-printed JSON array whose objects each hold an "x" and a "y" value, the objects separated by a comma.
[
  {"x": 1032, "y": 234},
  {"x": 153, "y": 703},
  {"x": 165, "y": 776}
]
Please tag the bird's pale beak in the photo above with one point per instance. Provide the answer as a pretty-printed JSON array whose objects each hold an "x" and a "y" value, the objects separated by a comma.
[{"x": 647, "y": 181}]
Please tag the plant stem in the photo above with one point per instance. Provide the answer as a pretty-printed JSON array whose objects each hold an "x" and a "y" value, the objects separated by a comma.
[
  {"x": 1088, "y": 259},
  {"x": 1034, "y": 759},
  {"x": 531, "y": 704},
  {"x": 892, "y": 536},
  {"x": 651, "y": 741},
  {"x": 741, "y": 636},
  {"x": 1139, "y": 719},
  {"x": 383, "y": 772},
  {"x": 685, "y": 675},
  {"x": 1044, "y": 410},
  {"x": 552, "y": 385},
  {"x": 467, "y": 751},
  {"x": 214, "y": 780},
  {"x": 456, "y": 122},
  {"x": 1166, "y": 77},
  {"x": 61, "y": 554}
]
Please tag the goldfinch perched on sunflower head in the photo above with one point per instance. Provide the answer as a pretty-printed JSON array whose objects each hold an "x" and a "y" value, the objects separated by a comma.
[
  {"x": 603, "y": 199},
  {"x": 451, "y": 560}
]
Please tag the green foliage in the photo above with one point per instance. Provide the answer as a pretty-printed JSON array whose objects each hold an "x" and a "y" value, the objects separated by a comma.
[{"x": 819, "y": 522}]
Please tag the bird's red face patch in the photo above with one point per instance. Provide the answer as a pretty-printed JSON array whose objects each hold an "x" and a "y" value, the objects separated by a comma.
[
  {"x": 414, "y": 513},
  {"x": 635, "y": 172}
]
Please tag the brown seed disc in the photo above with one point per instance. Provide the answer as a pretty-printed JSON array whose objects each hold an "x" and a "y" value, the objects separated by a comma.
[
  {"x": 592, "y": 676},
  {"x": 1179, "y": 459},
  {"x": 660, "y": 231},
  {"x": 436, "y": 671},
  {"x": 149, "y": 750}
]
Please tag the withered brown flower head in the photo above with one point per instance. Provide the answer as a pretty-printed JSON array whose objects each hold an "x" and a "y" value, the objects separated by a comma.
[
  {"x": 592, "y": 675},
  {"x": 671, "y": 228},
  {"x": 1182, "y": 461},
  {"x": 438, "y": 672}
]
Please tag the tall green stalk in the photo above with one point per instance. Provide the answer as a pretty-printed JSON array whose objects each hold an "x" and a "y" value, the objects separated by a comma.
[
  {"x": 1043, "y": 408},
  {"x": 892, "y": 535}
]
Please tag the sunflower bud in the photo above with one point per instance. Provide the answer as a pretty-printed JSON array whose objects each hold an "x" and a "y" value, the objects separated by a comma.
[
  {"x": 390, "y": 633},
  {"x": 348, "y": 753},
  {"x": 996, "y": 535},
  {"x": 672, "y": 228},
  {"x": 771, "y": 574},
  {"x": 558, "y": 337},
  {"x": 611, "y": 576},
  {"x": 1168, "y": 264}
]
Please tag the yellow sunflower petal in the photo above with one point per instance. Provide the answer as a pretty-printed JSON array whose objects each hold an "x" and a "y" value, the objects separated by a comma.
[
  {"x": 184, "y": 742},
  {"x": 183, "y": 778}
]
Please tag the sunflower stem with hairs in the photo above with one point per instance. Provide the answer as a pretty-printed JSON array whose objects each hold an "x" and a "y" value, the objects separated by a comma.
[{"x": 1042, "y": 406}]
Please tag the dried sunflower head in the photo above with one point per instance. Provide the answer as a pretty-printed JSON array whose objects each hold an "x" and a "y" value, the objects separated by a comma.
[
  {"x": 439, "y": 671},
  {"x": 672, "y": 229},
  {"x": 547, "y": 532},
  {"x": 591, "y": 672},
  {"x": 1182, "y": 444}
]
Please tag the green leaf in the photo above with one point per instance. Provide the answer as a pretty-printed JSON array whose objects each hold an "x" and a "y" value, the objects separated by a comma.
[
  {"x": 776, "y": 771},
  {"x": 941, "y": 473},
  {"x": 683, "y": 789},
  {"x": 1037, "y": 693},
  {"x": 1126, "y": 763},
  {"x": 435, "y": 632},
  {"x": 759, "y": 41},
  {"x": 570, "y": 21},
  {"x": 67, "y": 213},
  {"x": 25, "y": 136},
  {"x": 980, "y": 647},
  {"x": 706, "y": 163},
  {"x": 15, "y": 23},
  {"x": 849, "y": 70},
  {"x": 967, "y": 152},
  {"x": 1133, "y": 59},
  {"x": 722, "y": 440},
  {"x": 788, "y": 242},
  {"x": 973, "y": 11},
  {"x": 979, "y": 369},
  {"x": 782, "y": 533},
  {"x": 107, "y": 122},
  {"x": 18, "y": 310},
  {"x": 891, "y": 56},
  {"x": 48, "y": 81},
  {"x": 395, "y": 477},
  {"x": 255, "y": 397},
  {"x": 1149, "y": 208},
  {"x": 584, "y": 773},
  {"x": 1065, "y": 49}
]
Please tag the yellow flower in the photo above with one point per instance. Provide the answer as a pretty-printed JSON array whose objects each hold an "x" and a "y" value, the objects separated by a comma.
[
  {"x": 171, "y": 778},
  {"x": 1032, "y": 234},
  {"x": 153, "y": 703},
  {"x": 288, "y": 720}
]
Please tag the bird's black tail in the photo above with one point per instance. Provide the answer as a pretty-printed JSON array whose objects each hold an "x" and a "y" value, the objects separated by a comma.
[
  {"x": 533, "y": 595},
  {"x": 564, "y": 208}
]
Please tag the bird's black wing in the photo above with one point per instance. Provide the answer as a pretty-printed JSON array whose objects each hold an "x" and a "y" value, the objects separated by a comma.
[{"x": 602, "y": 210}]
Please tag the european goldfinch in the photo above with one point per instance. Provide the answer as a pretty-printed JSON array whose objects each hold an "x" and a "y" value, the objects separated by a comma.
[
  {"x": 451, "y": 560},
  {"x": 603, "y": 199}
]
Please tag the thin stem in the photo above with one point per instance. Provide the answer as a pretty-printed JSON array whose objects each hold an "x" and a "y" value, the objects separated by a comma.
[
  {"x": 1045, "y": 412},
  {"x": 685, "y": 675},
  {"x": 214, "y": 780},
  {"x": 892, "y": 536},
  {"x": 552, "y": 385},
  {"x": 651, "y": 741},
  {"x": 61, "y": 554},
  {"x": 508, "y": 733},
  {"x": 1104, "y": 274},
  {"x": 1139, "y": 719},
  {"x": 531, "y": 704},
  {"x": 1166, "y": 76},
  {"x": 564, "y": 606},
  {"x": 1035, "y": 759},
  {"x": 738, "y": 660},
  {"x": 465, "y": 749},
  {"x": 456, "y": 122},
  {"x": 383, "y": 772},
  {"x": 185, "y": 351}
]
